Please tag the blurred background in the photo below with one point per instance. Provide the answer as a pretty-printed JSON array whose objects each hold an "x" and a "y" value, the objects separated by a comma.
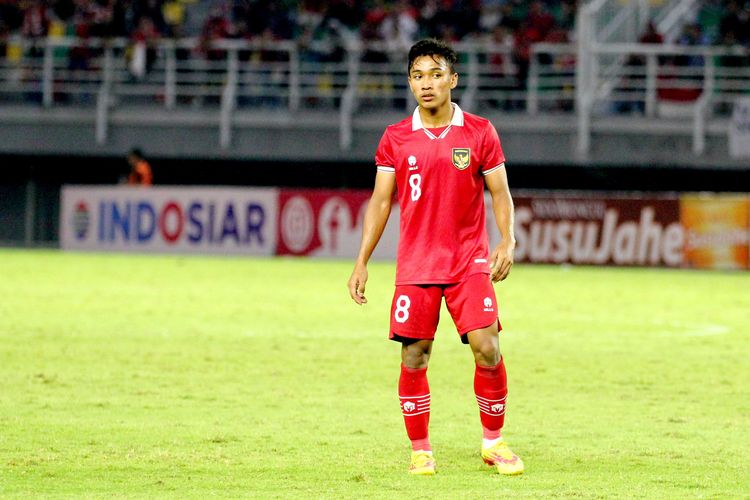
[{"x": 615, "y": 115}]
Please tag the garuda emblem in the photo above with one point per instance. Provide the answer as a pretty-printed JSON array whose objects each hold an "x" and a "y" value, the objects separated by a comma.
[{"x": 461, "y": 157}]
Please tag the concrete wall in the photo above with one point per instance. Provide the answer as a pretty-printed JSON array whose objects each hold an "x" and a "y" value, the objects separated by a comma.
[{"x": 315, "y": 136}]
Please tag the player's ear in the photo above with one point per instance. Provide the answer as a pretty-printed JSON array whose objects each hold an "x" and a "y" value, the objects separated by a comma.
[{"x": 454, "y": 80}]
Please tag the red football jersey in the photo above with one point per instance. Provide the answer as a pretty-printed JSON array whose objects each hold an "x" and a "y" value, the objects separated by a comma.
[{"x": 441, "y": 194}]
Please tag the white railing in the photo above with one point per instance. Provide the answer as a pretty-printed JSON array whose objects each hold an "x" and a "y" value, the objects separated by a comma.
[
  {"x": 233, "y": 77},
  {"x": 671, "y": 82}
]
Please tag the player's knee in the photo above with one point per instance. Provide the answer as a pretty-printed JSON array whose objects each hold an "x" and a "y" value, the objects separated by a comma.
[
  {"x": 487, "y": 353},
  {"x": 414, "y": 356}
]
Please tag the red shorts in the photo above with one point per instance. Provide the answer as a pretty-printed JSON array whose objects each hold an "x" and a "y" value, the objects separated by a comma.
[{"x": 416, "y": 308}]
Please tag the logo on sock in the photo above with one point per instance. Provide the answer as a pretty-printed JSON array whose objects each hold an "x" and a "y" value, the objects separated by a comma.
[
  {"x": 409, "y": 406},
  {"x": 497, "y": 408}
]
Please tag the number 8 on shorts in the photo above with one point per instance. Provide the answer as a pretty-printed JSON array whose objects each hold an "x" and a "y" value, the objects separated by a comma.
[{"x": 401, "y": 314}]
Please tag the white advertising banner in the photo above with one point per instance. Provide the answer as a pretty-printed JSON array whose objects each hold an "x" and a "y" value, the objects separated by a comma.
[
  {"x": 739, "y": 129},
  {"x": 328, "y": 223},
  {"x": 169, "y": 219}
]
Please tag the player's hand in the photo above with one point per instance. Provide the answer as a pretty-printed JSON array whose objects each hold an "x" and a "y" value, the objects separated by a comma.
[
  {"x": 502, "y": 261},
  {"x": 357, "y": 284}
]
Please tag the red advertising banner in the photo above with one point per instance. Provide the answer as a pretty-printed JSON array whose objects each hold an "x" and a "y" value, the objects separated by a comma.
[
  {"x": 328, "y": 223},
  {"x": 699, "y": 231},
  {"x": 599, "y": 230}
]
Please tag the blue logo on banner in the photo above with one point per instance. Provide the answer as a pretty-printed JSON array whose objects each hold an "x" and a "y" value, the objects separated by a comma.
[
  {"x": 81, "y": 220},
  {"x": 196, "y": 222}
]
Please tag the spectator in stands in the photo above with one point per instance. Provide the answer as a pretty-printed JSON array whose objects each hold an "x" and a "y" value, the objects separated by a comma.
[
  {"x": 143, "y": 48},
  {"x": 650, "y": 36},
  {"x": 691, "y": 37},
  {"x": 123, "y": 18},
  {"x": 634, "y": 79},
  {"x": 709, "y": 17},
  {"x": 490, "y": 16},
  {"x": 736, "y": 23},
  {"x": 681, "y": 79},
  {"x": 510, "y": 17},
  {"x": 152, "y": 9},
  {"x": 175, "y": 14},
  {"x": 501, "y": 69},
  {"x": 80, "y": 55},
  {"x": 35, "y": 25},
  {"x": 217, "y": 26},
  {"x": 399, "y": 28},
  {"x": 140, "y": 169},
  {"x": 565, "y": 14},
  {"x": 395, "y": 23},
  {"x": 535, "y": 28},
  {"x": 35, "y": 21},
  {"x": 539, "y": 20},
  {"x": 101, "y": 15}
]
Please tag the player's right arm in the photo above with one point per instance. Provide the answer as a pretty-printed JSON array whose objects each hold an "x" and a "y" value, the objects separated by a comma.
[{"x": 376, "y": 217}]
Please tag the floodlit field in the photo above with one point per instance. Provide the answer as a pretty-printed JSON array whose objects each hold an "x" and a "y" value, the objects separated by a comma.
[{"x": 142, "y": 376}]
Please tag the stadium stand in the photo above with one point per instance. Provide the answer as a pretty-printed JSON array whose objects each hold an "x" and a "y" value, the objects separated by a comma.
[
  {"x": 603, "y": 83},
  {"x": 671, "y": 60}
]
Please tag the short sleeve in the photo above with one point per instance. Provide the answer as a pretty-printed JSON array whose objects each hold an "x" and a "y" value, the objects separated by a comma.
[
  {"x": 492, "y": 152},
  {"x": 384, "y": 158}
]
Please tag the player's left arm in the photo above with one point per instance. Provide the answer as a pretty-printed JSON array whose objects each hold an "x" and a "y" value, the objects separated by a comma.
[{"x": 501, "y": 259}]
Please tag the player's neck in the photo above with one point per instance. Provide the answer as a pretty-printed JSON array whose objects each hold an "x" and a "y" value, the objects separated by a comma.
[{"x": 436, "y": 118}]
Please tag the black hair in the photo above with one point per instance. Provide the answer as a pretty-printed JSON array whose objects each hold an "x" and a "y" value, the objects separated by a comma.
[
  {"x": 137, "y": 153},
  {"x": 434, "y": 48}
]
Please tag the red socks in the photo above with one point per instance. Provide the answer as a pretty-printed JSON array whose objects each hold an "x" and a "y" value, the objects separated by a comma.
[
  {"x": 414, "y": 393},
  {"x": 491, "y": 388}
]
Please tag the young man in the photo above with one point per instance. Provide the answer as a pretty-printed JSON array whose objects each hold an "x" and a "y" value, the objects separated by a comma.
[{"x": 439, "y": 161}]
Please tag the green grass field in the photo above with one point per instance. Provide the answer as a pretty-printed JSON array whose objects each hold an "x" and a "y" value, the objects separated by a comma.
[{"x": 164, "y": 376}]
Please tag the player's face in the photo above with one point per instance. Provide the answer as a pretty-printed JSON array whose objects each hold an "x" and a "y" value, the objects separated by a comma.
[{"x": 431, "y": 81}]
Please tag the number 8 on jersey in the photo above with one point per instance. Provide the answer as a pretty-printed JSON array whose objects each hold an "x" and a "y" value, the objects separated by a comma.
[{"x": 415, "y": 181}]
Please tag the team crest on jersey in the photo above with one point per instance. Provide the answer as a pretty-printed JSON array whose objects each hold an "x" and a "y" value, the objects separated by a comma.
[{"x": 461, "y": 158}]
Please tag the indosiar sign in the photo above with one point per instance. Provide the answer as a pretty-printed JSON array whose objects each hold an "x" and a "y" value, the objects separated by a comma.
[{"x": 169, "y": 219}]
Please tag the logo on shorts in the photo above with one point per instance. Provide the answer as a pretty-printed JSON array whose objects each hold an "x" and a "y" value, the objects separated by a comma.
[
  {"x": 497, "y": 408},
  {"x": 461, "y": 158},
  {"x": 488, "y": 305},
  {"x": 409, "y": 406}
]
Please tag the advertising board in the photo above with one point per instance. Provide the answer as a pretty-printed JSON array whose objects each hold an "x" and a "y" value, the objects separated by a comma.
[
  {"x": 717, "y": 229},
  {"x": 328, "y": 223},
  {"x": 169, "y": 219},
  {"x": 596, "y": 230}
]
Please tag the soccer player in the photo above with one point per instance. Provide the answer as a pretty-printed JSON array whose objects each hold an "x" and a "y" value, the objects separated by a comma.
[{"x": 439, "y": 161}]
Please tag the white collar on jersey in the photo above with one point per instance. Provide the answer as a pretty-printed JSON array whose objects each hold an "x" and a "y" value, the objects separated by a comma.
[{"x": 457, "y": 120}]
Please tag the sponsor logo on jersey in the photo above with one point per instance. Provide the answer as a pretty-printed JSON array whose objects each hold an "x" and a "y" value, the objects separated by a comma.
[
  {"x": 413, "y": 163},
  {"x": 488, "y": 304},
  {"x": 461, "y": 158}
]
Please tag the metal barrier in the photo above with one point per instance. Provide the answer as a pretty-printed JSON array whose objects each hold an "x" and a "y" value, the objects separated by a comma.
[{"x": 230, "y": 78}]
